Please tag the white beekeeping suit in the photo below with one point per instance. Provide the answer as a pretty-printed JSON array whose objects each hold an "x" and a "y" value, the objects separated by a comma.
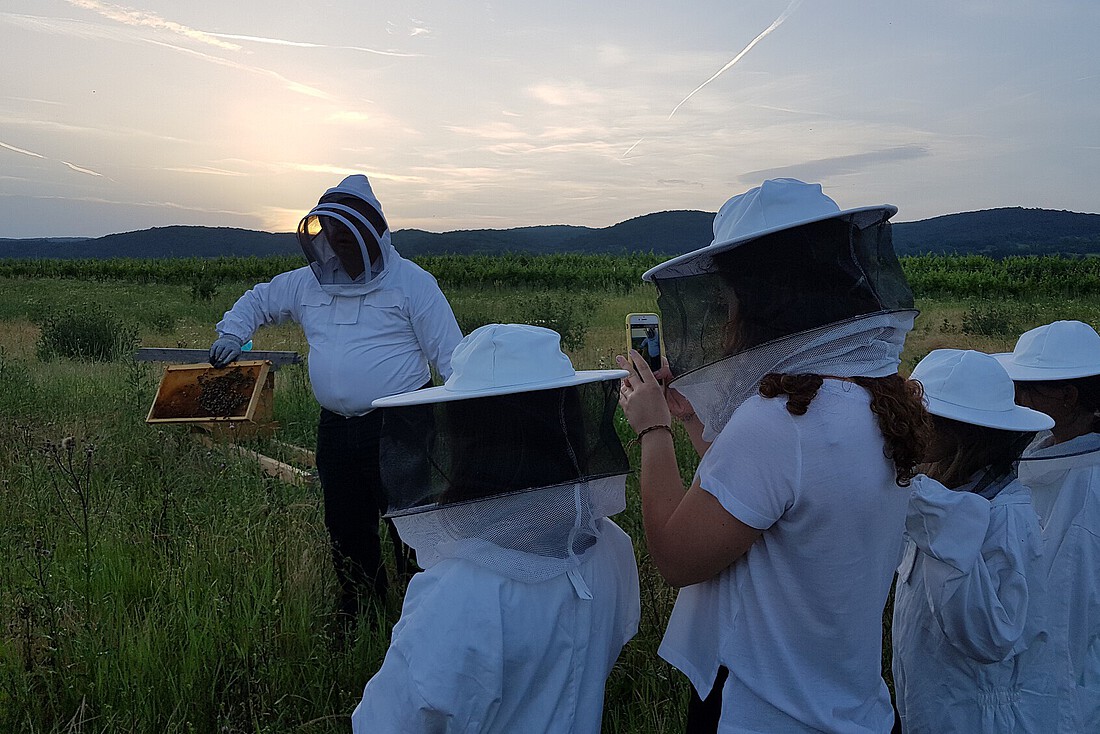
[
  {"x": 969, "y": 603},
  {"x": 503, "y": 480},
  {"x": 1056, "y": 367}
]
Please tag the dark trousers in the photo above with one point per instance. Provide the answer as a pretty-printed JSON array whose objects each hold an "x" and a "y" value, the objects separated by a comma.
[
  {"x": 703, "y": 714},
  {"x": 347, "y": 465}
]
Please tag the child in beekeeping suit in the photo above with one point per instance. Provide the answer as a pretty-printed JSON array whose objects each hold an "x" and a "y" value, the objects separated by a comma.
[
  {"x": 1056, "y": 370},
  {"x": 969, "y": 603},
  {"x": 529, "y": 590}
]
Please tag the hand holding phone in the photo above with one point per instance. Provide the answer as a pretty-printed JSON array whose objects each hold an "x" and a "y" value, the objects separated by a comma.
[{"x": 645, "y": 336}]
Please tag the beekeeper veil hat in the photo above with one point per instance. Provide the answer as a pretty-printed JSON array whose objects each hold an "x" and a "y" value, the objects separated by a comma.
[
  {"x": 512, "y": 462},
  {"x": 346, "y": 239},
  {"x": 791, "y": 284}
]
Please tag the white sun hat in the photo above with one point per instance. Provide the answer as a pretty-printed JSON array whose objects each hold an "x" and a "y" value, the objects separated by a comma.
[
  {"x": 502, "y": 359},
  {"x": 1063, "y": 350},
  {"x": 775, "y": 205},
  {"x": 972, "y": 387}
]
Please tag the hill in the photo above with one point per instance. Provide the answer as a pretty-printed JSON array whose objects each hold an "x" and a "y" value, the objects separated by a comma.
[{"x": 993, "y": 232}]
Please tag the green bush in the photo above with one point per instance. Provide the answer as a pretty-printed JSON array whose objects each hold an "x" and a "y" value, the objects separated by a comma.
[
  {"x": 203, "y": 289},
  {"x": 89, "y": 333},
  {"x": 992, "y": 318}
]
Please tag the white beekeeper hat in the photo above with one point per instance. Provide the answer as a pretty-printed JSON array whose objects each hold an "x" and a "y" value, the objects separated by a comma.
[
  {"x": 775, "y": 205},
  {"x": 1064, "y": 350},
  {"x": 972, "y": 387},
  {"x": 501, "y": 359}
]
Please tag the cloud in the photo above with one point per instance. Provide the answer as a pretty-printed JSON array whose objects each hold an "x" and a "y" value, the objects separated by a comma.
[
  {"x": 205, "y": 170},
  {"x": 34, "y": 100},
  {"x": 138, "y": 19},
  {"x": 491, "y": 131},
  {"x": 565, "y": 95},
  {"x": 349, "y": 116},
  {"x": 342, "y": 171},
  {"x": 288, "y": 83},
  {"x": 143, "y": 19},
  {"x": 824, "y": 168},
  {"x": 678, "y": 182}
]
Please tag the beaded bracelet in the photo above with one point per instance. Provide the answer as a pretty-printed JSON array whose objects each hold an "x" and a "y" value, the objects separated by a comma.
[{"x": 644, "y": 431}]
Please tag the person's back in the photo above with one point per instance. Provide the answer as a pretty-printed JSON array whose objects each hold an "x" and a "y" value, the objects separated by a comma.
[
  {"x": 529, "y": 591},
  {"x": 969, "y": 607},
  {"x": 475, "y": 651},
  {"x": 1056, "y": 370},
  {"x": 1065, "y": 478},
  {"x": 801, "y": 630}
]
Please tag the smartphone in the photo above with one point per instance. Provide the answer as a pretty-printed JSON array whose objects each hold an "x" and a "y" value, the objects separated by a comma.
[{"x": 645, "y": 336}]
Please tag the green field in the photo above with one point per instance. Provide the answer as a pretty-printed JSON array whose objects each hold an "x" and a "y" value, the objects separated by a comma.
[{"x": 151, "y": 583}]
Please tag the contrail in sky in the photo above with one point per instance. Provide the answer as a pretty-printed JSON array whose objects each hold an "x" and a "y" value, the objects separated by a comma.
[
  {"x": 20, "y": 150},
  {"x": 304, "y": 44},
  {"x": 31, "y": 153},
  {"x": 775, "y": 24},
  {"x": 78, "y": 169}
]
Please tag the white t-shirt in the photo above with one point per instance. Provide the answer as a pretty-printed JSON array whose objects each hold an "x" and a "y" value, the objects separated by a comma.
[
  {"x": 361, "y": 347},
  {"x": 479, "y": 653},
  {"x": 798, "y": 619}
]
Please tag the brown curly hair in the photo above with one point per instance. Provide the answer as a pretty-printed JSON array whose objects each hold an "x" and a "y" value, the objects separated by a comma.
[{"x": 898, "y": 404}]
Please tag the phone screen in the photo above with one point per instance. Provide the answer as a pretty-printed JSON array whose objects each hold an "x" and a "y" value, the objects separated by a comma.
[{"x": 646, "y": 338}]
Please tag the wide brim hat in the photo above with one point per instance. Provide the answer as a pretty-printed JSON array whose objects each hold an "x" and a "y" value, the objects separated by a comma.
[
  {"x": 775, "y": 205},
  {"x": 1063, "y": 350},
  {"x": 503, "y": 359},
  {"x": 972, "y": 387}
]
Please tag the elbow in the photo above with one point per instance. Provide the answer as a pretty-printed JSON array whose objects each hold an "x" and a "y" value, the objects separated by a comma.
[{"x": 679, "y": 573}]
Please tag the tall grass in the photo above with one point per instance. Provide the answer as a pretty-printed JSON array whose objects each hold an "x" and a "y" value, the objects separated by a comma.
[{"x": 148, "y": 583}]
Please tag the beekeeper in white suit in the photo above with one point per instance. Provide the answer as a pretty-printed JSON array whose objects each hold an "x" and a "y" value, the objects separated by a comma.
[
  {"x": 969, "y": 603},
  {"x": 374, "y": 322},
  {"x": 1056, "y": 369},
  {"x": 529, "y": 590}
]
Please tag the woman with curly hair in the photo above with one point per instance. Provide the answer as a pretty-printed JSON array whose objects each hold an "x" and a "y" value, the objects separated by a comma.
[{"x": 785, "y": 335}]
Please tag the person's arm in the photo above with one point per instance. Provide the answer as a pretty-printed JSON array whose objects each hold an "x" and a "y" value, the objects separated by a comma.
[
  {"x": 690, "y": 536},
  {"x": 973, "y": 568},
  {"x": 443, "y": 670},
  {"x": 264, "y": 303},
  {"x": 434, "y": 324}
]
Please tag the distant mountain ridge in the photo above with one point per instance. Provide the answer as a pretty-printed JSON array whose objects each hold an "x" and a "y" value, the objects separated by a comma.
[{"x": 992, "y": 232}]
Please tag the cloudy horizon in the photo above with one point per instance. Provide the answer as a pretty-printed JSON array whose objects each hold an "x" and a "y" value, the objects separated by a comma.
[{"x": 122, "y": 116}]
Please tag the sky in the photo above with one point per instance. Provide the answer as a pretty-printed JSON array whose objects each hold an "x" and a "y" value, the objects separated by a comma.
[{"x": 469, "y": 115}]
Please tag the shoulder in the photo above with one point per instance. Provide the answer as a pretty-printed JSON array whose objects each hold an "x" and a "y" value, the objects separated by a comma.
[
  {"x": 296, "y": 279},
  {"x": 416, "y": 282}
]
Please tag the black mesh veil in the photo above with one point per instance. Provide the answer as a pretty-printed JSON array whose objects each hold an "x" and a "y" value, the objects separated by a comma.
[
  {"x": 785, "y": 283},
  {"x": 447, "y": 453}
]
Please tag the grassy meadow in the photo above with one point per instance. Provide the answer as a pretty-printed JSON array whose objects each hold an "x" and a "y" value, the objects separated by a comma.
[{"x": 149, "y": 582}]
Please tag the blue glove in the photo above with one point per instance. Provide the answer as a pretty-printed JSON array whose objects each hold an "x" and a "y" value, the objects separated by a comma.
[{"x": 225, "y": 350}]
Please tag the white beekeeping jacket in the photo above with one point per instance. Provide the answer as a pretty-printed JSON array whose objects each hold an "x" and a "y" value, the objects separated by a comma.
[
  {"x": 361, "y": 347},
  {"x": 1065, "y": 481},
  {"x": 477, "y": 651},
  {"x": 968, "y": 604}
]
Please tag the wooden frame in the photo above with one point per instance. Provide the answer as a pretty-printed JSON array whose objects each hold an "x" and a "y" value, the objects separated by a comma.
[{"x": 183, "y": 387}]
